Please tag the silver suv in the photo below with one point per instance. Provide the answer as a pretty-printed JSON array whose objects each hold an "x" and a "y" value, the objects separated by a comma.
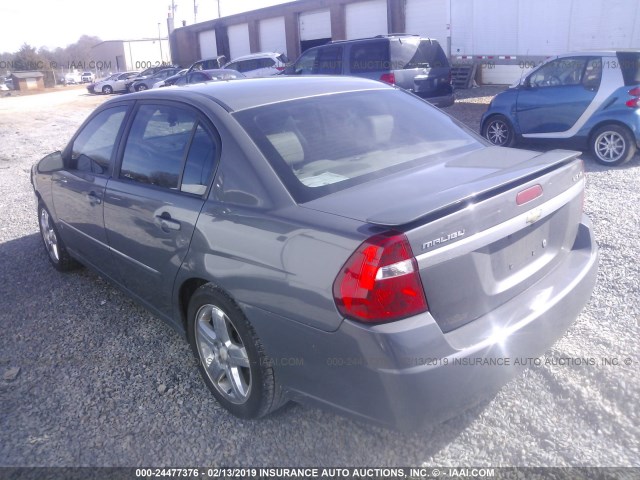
[{"x": 259, "y": 64}]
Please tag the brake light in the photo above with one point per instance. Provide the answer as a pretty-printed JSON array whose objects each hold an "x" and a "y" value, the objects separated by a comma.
[
  {"x": 528, "y": 194},
  {"x": 380, "y": 281},
  {"x": 388, "y": 78},
  {"x": 280, "y": 69},
  {"x": 634, "y": 102}
]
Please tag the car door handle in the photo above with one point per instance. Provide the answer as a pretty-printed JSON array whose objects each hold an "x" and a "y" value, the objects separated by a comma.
[
  {"x": 167, "y": 223},
  {"x": 93, "y": 198}
]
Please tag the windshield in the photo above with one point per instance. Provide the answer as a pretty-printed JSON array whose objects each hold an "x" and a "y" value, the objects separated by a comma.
[{"x": 327, "y": 143}]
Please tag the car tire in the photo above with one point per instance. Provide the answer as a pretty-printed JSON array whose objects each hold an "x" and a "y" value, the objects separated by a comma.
[
  {"x": 53, "y": 244},
  {"x": 499, "y": 131},
  {"x": 612, "y": 145},
  {"x": 141, "y": 87},
  {"x": 107, "y": 90},
  {"x": 231, "y": 358}
]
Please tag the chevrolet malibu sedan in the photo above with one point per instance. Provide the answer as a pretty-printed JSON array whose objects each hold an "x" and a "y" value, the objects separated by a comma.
[
  {"x": 586, "y": 100},
  {"x": 335, "y": 241}
]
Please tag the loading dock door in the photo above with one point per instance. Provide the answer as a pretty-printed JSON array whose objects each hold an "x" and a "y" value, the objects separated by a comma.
[
  {"x": 315, "y": 29},
  {"x": 366, "y": 19},
  {"x": 208, "y": 45},
  {"x": 272, "y": 35},
  {"x": 238, "y": 40}
]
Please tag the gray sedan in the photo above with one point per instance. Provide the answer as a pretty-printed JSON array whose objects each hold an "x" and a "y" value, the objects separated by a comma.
[{"x": 335, "y": 241}]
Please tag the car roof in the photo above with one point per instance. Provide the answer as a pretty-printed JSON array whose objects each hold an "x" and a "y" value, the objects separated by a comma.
[
  {"x": 255, "y": 92},
  {"x": 256, "y": 55},
  {"x": 390, "y": 36},
  {"x": 604, "y": 53}
]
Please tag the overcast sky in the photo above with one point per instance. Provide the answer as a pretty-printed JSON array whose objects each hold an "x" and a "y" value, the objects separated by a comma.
[{"x": 57, "y": 23}]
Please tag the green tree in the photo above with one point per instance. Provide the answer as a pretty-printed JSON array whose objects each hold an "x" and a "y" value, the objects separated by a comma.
[{"x": 27, "y": 58}]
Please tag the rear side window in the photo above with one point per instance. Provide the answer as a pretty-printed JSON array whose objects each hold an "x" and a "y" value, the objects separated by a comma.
[
  {"x": 93, "y": 147},
  {"x": 198, "y": 77},
  {"x": 369, "y": 57},
  {"x": 168, "y": 147},
  {"x": 630, "y": 66},
  {"x": 266, "y": 62},
  {"x": 329, "y": 61}
]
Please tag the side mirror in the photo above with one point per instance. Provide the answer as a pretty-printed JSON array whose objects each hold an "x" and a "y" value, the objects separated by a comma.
[{"x": 51, "y": 163}]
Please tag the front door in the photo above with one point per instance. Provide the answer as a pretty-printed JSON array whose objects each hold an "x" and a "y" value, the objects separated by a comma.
[{"x": 556, "y": 95}]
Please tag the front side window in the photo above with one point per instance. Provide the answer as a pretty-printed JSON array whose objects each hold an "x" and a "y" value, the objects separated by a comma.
[
  {"x": 324, "y": 144},
  {"x": 305, "y": 65},
  {"x": 93, "y": 147},
  {"x": 560, "y": 72},
  {"x": 593, "y": 74},
  {"x": 168, "y": 147}
]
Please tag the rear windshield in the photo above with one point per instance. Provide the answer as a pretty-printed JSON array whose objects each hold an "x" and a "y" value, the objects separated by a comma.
[
  {"x": 630, "y": 66},
  {"x": 327, "y": 143},
  {"x": 416, "y": 53}
]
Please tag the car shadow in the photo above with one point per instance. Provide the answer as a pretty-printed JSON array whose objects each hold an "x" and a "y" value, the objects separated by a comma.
[{"x": 70, "y": 332}]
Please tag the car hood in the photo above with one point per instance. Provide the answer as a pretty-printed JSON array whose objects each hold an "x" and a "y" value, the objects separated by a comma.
[{"x": 436, "y": 189}]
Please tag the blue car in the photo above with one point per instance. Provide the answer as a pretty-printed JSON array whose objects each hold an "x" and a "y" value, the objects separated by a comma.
[{"x": 587, "y": 100}]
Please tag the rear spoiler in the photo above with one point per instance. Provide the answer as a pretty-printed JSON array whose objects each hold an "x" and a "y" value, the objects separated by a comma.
[{"x": 463, "y": 195}]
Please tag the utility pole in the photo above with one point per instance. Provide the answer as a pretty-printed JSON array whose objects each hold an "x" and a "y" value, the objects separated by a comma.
[
  {"x": 218, "y": 8},
  {"x": 195, "y": 12},
  {"x": 160, "y": 42}
]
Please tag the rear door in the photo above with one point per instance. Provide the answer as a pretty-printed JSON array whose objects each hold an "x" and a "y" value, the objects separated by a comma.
[
  {"x": 556, "y": 95},
  {"x": 152, "y": 204},
  {"x": 78, "y": 190}
]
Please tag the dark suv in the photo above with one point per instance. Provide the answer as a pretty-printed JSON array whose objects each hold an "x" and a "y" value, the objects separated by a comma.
[{"x": 409, "y": 61}]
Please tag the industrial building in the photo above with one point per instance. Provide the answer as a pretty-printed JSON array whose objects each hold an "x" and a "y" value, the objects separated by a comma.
[{"x": 502, "y": 38}]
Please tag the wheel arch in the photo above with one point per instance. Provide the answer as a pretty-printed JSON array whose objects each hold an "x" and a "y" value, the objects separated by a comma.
[
  {"x": 605, "y": 122},
  {"x": 185, "y": 292}
]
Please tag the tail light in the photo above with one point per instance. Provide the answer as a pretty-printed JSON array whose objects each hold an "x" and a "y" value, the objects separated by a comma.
[
  {"x": 380, "y": 281},
  {"x": 388, "y": 78},
  {"x": 634, "y": 102},
  {"x": 280, "y": 69}
]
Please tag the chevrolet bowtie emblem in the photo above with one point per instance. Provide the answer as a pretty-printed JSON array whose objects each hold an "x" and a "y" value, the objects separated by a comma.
[{"x": 534, "y": 215}]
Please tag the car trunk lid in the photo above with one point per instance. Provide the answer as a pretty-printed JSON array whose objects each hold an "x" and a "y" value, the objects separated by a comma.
[{"x": 476, "y": 247}]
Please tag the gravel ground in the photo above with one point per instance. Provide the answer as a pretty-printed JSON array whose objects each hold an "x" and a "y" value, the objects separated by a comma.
[{"x": 88, "y": 378}]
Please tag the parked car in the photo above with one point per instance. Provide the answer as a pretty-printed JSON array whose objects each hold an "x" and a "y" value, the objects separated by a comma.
[
  {"x": 88, "y": 77},
  {"x": 584, "y": 100},
  {"x": 315, "y": 242},
  {"x": 139, "y": 84},
  {"x": 200, "y": 76},
  {"x": 214, "y": 63},
  {"x": 72, "y": 78},
  {"x": 115, "y": 83},
  {"x": 416, "y": 64},
  {"x": 259, "y": 64},
  {"x": 155, "y": 69}
]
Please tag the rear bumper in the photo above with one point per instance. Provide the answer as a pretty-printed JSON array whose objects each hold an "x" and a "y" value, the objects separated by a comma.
[{"x": 408, "y": 374}]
